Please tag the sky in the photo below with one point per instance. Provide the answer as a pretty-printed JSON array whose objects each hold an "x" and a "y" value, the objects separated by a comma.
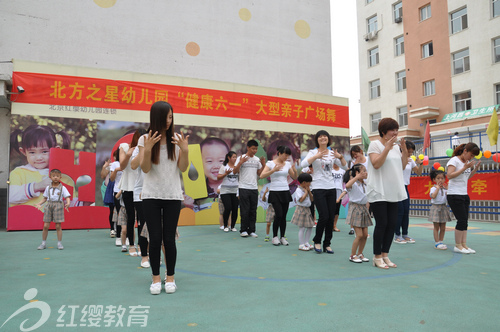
[{"x": 345, "y": 71}]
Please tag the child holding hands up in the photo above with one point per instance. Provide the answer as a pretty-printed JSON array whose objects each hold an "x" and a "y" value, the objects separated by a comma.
[
  {"x": 439, "y": 214},
  {"x": 302, "y": 216}
]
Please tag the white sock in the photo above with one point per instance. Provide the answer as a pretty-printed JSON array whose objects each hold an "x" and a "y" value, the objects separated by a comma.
[
  {"x": 43, "y": 242},
  {"x": 308, "y": 234},
  {"x": 302, "y": 230}
]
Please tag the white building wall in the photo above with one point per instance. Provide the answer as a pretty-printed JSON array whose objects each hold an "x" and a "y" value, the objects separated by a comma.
[
  {"x": 484, "y": 73},
  {"x": 388, "y": 65}
]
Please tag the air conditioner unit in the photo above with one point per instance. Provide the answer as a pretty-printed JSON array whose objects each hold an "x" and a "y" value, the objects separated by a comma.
[
  {"x": 370, "y": 35},
  {"x": 398, "y": 19}
]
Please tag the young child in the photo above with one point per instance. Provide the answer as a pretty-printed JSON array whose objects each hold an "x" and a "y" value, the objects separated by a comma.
[
  {"x": 439, "y": 214},
  {"x": 269, "y": 210},
  {"x": 358, "y": 215},
  {"x": 27, "y": 182},
  {"x": 121, "y": 220},
  {"x": 302, "y": 216},
  {"x": 54, "y": 210},
  {"x": 338, "y": 175}
]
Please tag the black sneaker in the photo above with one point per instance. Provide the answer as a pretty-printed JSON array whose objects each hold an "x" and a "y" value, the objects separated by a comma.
[{"x": 351, "y": 232}]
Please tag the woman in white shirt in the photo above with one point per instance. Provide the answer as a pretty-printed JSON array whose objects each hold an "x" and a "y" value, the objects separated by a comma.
[
  {"x": 323, "y": 188},
  {"x": 460, "y": 169},
  {"x": 228, "y": 191},
  {"x": 385, "y": 187},
  {"x": 279, "y": 192},
  {"x": 163, "y": 155}
]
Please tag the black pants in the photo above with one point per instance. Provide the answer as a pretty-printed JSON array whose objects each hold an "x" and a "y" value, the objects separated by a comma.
[
  {"x": 117, "y": 207},
  {"x": 111, "y": 223},
  {"x": 141, "y": 221},
  {"x": 128, "y": 200},
  {"x": 280, "y": 211},
  {"x": 162, "y": 217},
  {"x": 230, "y": 202},
  {"x": 325, "y": 200},
  {"x": 386, "y": 218},
  {"x": 248, "y": 208},
  {"x": 403, "y": 216},
  {"x": 459, "y": 204}
]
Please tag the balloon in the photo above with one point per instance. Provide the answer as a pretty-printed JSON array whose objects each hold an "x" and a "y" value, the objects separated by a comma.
[
  {"x": 449, "y": 152},
  {"x": 413, "y": 158},
  {"x": 426, "y": 158},
  {"x": 425, "y": 162},
  {"x": 487, "y": 153},
  {"x": 436, "y": 165},
  {"x": 496, "y": 157},
  {"x": 441, "y": 168},
  {"x": 421, "y": 156},
  {"x": 479, "y": 155}
]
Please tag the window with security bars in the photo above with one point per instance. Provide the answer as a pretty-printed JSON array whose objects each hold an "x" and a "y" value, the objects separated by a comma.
[{"x": 463, "y": 101}]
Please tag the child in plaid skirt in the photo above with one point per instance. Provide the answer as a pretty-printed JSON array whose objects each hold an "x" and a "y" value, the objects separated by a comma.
[
  {"x": 358, "y": 215},
  {"x": 302, "y": 216},
  {"x": 54, "y": 209},
  {"x": 439, "y": 213}
]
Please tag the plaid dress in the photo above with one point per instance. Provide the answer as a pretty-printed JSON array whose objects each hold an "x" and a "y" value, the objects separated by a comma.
[
  {"x": 439, "y": 213},
  {"x": 302, "y": 217},
  {"x": 358, "y": 215},
  {"x": 270, "y": 213},
  {"x": 54, "y": 210},
  {"x": 221, "y": 207}
]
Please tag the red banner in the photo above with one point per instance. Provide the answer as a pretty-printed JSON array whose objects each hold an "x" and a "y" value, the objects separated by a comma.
[
  {"x": 483, "y": 186},
  {"x": 103, "y": 95}
]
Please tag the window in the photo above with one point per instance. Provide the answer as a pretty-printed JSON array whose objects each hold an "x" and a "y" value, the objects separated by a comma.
[
  {"x": 497, "y": 93},
  {"x": 463, "y": 101},
  {"x": 401, "y": 80},
  {"x": 427, "y": 50},
  {"x": 374, "y": 89},
  {"x": 459, "y": 20},
  {"x": 397, "y": 8},
  {"x": 403, "y": 116},
  {"x": 496, "y": 49},
  {"x": 375, "y": 119},
  {"x": 495, "y": 8},
  {"x": 399, "y": 42},
  {"x": 373, "y": 57},
  {"x": 425, "y": 12},
  {"x": 372, "y": 24},
  {"x": 461, "y": 62},
  {"x": 429, "y": 88}
]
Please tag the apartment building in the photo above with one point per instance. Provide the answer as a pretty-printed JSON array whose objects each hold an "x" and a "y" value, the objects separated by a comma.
[{"x": 428, "y": 60}]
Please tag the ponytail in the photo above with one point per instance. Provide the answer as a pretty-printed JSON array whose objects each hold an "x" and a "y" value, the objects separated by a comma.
[
  {"x": 352, "y": 172},
  {"x": 228, "y": 155}
]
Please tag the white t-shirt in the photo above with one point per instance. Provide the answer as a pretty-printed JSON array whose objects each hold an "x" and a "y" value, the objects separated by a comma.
[
  {"x": 248, "y": 172},
  {"x": 338, "y": 178},
  {"x": 299, "y": 192},
  {"x": 114, "y": 165},
  {"x": 229, "y": 184},
  {"x": 458, "y": 185},
  {"x": 279, "y": 181},
  {"x": 163, "y": 181},
  {"x": 357, "y": 193},
  {"x": 441, "y": 196},
  {"x": 322, "y": 169},
  {"x": 139, "y": 179},
  {"x": 386, "y": 183},
  {"x": 52, "y": 193},
  {"x": 128, "y": 177},
  {"x": 407, "y": 171}
]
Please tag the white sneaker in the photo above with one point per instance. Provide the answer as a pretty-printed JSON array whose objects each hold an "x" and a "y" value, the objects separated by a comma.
[
  {"x": 124, "y": 248},
  {"x": 303, "y": 247},
  {"x": 145, "y": 264},
  {"x": 42, "y": 246},
  {"x": 155, "y": 288},
  {"x": 226, "y": 229},
  {"x": 355, "y": 259},
  {"x": 234, "y": 230},
  {"x": 170, "y": 287},
  {"x": 440, "y": 246},
  {"x": 275, "y": 241},
  {"x": 244, "y": 234},
  {"x": 118, "y": 242},
  {"x": 253, "y": 234},
  {"x": 308, "y": 246},
  {"x": 60, "y": 246},
  {"x": 471, "y": 251},
  {"x": 461, "y": 251},
  {"x": 284, "y": 241},
  {"x": 221, "y": 228},
  {"x": 112, "y": 233}
]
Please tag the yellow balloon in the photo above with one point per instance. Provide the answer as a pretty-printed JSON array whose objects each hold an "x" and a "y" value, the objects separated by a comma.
[
  {"x": 414, "y": 158},
  {"x": 479, "y": 155},
  {"x": 441, "y": 168},
  {"x": 421, "y": 156}
]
